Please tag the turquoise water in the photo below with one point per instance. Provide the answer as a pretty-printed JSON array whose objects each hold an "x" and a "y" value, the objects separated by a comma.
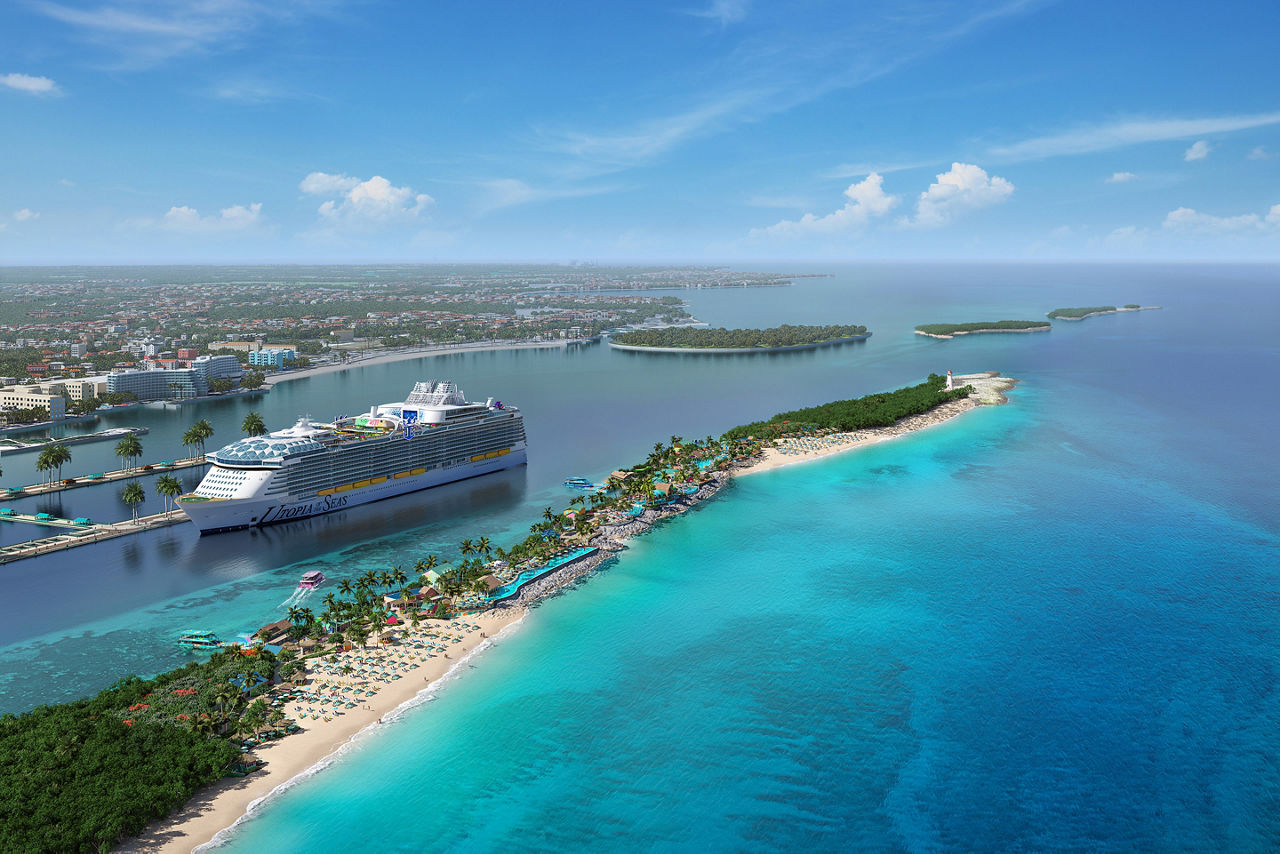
[
  {"x": 1045, "y": 626},
  {"x": 1053, "y": 625}
]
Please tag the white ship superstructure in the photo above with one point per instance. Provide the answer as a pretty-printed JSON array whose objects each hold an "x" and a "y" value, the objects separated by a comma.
[{"x": 435, "y": 436}]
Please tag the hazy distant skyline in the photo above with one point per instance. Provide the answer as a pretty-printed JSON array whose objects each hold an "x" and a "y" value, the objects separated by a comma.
[{"x": 140, "y": 131}]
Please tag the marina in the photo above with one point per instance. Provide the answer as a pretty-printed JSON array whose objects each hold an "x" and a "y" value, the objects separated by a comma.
[
  {"x": 58, "y": 485},
  {"x": 79, "y": 533}
]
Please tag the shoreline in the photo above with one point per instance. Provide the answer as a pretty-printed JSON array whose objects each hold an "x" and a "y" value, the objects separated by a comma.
[
  {"x": 404, "y": 355},
  {"x": 220, "y": 808},
  {"x": 728, "y": 351},
  {"x": 226, "y": 803},
  {"x": 1120, "y": 310},
  {"x": 951, "y": 335}
]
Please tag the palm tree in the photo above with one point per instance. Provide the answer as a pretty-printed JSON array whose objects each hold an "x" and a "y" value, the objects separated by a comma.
[
  {"x": 58, "y": 456},
  {"x": 345, "y": 587},
  {"x": 330, "y": 600},
  {"x": 133, "y": 495},
  {"x": 190, "y": 438},
  {"x": 482, "y": 546},
  {"x": 467, "y": 547},
  {"x": 204, "y": 430},
  {"x": 253, "y": 425},
  {"x": 168, "y": 486},
  {"x": 129, "y": 449},
  {"x": 44, "y": 464},
  {"x": 399, "y": 575}
]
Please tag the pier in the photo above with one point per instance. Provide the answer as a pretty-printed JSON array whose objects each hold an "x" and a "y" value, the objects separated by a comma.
[
  {"x": 17, "y": 446},
  {"x": 101, "y": 477},
  {"x": 80, "y": 533}
]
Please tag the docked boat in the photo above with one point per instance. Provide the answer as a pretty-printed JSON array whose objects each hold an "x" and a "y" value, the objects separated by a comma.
[
  {"x": 199, "y": 640},
  {"x": 434, "y": 436},
  {"x": 311, "y": 580},
  {"x": 578, "y": 483}
]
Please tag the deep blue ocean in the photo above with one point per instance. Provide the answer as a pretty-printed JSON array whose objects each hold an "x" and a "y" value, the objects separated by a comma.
[{"x": 1052, "y": 625}]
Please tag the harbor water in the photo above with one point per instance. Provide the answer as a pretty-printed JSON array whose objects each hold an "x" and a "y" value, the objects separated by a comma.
[{"x": 1050, "y": 625}]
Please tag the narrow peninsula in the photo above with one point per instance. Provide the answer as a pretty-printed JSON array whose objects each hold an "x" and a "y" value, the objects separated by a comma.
[
  {"x": 950, "y": 330},
  {"x": 164, "y": 764},
  {"x": 725, "y": 341},
  {"x": 1095, "y": 310}
]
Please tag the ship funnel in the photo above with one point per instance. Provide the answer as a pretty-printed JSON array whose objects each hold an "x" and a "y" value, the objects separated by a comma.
[{"x": 489, "y": 403}]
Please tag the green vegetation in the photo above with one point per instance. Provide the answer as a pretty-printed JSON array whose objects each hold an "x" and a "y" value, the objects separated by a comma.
[
  {"x": 873, "y": 410},
  {"x": 1132, "y": 305},
  {"x": 130, "y": 450},
  {"x": 52, "y": 458},
  {"x": 718, "y": 339},
  {"x": 1077, "y": 313},
  {"x": 986, "y": 326},
  {"x": 253, "y": 425},
  {"x": 81, "y": 776}
]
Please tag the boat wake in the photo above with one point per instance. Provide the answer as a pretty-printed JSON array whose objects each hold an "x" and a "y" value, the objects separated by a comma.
[{"x": 299, "y": 596}]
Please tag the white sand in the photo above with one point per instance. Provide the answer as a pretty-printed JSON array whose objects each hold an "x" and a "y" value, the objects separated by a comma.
[{"x": 221, "y": 805}]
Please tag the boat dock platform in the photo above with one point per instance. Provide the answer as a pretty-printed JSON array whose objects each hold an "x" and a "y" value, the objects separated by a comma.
[
  {"x": 81, "y": 534},
  {"x": 10, "y": 445},
  {"x": 100, "y": 477}
]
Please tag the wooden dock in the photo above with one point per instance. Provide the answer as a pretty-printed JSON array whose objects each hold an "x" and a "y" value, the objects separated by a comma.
[
  {"x": 101, "y": 477},
  {"x": 83, "y": 535}
]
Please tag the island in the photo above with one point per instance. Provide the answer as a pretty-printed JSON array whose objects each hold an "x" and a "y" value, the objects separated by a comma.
[
  {"x": 950, "y": 330},
  {"x": 1095, "y": 310},
  {"x": 725, "y": 341},
  {"x": 179, "y": 756}
]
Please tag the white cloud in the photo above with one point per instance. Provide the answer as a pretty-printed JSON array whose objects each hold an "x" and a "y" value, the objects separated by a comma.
[
  {"x": 964, "y": 187},
  {"x": 1128, "y": 236},
  {"x": 235, "y": 218},
  {"x": 509, "y": 192},
  {"x": 1199, "y": 150},
  {"x": 324, "y": 184},
  {"x": 1188, "y": 219},
  {"x": 364, "y": 204},
  {"x": 723, "y": 11},
  {"x": 66, "y": 182},
  {"x": 867, "y": 200},
  {"x": 29, "y": 84},
  {"x": 1121, "y": 178},
  {"x": 26, "y": 214},
  {"x": 1259, "y": 153},
  {"x": 146, "y": 32},
  {"x": 1126, "y": 133}
]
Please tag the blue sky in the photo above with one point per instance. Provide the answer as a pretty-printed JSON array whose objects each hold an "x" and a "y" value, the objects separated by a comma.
[{"x": 709, "y": 130}]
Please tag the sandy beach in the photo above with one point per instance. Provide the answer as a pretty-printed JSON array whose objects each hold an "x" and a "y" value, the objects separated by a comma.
[
  {"x": 989, "y": 389},
  {"x": 224, "y": 803},
  {"x": 402, "y": 355}
]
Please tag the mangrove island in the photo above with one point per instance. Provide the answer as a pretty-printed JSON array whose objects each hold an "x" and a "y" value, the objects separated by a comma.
[
  {"x": 1094, "y": 310},
  {"x": 720, "y": 340},
  {"x": 950, "y": 330}
]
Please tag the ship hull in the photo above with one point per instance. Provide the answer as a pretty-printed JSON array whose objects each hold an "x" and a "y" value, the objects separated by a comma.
[{"x": 212, "y": 517}]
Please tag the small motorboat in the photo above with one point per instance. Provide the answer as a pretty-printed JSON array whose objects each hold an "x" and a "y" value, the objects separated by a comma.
[
  {"x": 311, "y": 580},
  {"x": 199, "y": 639}
]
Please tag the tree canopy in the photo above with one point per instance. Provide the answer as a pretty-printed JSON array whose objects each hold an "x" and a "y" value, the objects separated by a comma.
[{"x": 721, "y": 338}]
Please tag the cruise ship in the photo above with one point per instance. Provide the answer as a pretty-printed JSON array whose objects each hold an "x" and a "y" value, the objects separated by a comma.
[{"x": 435, "y": 436}]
